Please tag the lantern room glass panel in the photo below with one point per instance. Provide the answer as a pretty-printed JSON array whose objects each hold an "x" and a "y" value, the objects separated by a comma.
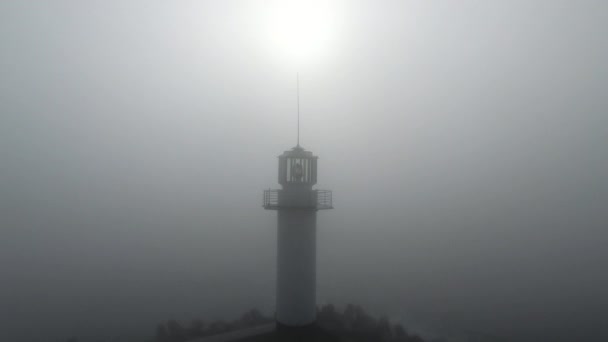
[{"x": 297, "y": 167}]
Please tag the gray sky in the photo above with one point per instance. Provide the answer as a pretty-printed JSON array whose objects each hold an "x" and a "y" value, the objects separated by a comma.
[{"x": 464, "y": 142}]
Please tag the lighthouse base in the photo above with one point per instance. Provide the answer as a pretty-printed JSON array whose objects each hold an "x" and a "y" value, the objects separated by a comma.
[
  {"x": 307, "y": 333},
  {"x": 305, "y": 329}
]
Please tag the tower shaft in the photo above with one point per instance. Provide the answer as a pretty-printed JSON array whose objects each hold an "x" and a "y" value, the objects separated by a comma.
[{"x": 296, "y": 267}]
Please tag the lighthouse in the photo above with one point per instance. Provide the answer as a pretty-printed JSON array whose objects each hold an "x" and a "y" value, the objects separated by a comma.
[{"x": 296, "y": 204}]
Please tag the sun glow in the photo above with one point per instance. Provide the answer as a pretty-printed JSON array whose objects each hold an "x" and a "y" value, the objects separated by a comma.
[{"x": 300, "y": 32}]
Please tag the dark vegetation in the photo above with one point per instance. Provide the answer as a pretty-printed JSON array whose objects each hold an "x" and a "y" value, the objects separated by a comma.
[
  {"x": 352, "y": 324},
  {"x": 173, "y": 331}
]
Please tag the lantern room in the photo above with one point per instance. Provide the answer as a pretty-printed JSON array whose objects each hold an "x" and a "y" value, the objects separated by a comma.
[{"x": 297, "y": 167}]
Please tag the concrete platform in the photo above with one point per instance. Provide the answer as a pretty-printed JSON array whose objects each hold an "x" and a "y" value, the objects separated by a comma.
[
  {"x": 238, "y": 335},
  {"x": 270, "y": 333}
]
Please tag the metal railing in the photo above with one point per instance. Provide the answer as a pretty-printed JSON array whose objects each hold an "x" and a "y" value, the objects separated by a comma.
[
  {"x": 324, "y": 199},
  {"x": 271, "y": 198},
  {"x": 321, "y": 199}
]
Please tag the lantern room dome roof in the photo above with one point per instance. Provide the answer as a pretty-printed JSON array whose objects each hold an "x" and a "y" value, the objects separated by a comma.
[{"x": 298, "y": 152}]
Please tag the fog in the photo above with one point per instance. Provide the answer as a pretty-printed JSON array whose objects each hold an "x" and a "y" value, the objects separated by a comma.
[{"x": 465, "y": 144}]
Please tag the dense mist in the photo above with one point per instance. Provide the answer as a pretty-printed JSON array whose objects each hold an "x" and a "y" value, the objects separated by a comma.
[{"x": 464, "y": 141}]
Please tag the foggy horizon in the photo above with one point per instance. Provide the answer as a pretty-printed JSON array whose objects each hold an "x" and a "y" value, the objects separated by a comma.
[{"x": 465, "y": 145}]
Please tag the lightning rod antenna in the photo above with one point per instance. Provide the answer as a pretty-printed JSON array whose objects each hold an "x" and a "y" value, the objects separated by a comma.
[{"x": 298, "y": 97}]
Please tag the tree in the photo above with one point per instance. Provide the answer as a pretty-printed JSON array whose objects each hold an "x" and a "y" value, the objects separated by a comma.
[
  {"x": 196, "y": 329},
  {"x": 400, "y": 332},
  {"x": 176, "y": 332},
  {"x": 384, "y": 327},
  {"x": 161, "y": 333},
  {"x": 252, "y": 318}
]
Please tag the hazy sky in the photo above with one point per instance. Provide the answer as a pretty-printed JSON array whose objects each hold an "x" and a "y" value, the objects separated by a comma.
[{"x": 465, "y": 142}]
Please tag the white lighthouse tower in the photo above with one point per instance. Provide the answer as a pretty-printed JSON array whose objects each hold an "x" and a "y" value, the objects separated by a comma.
[{"x": 297, "y": 204}]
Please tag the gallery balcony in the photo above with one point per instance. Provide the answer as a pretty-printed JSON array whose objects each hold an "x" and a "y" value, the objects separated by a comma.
[{"x": 275, "y": 199}]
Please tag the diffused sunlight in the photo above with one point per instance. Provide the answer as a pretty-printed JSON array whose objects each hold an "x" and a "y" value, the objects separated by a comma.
[{"x": 300, "y": 33}]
